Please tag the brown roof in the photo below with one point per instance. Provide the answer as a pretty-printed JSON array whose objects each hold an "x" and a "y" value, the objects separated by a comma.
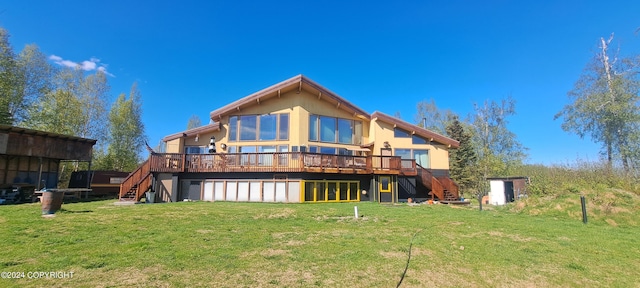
[
  {"x": 193, "y": 131},
  {"x": 19, "y": 130},
  {"x": 299, "y": 82},
  {"x": 416, "y": 129}
]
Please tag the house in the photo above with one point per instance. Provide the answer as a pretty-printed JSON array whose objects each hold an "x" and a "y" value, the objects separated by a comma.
[{"x": 297, "y": 141}]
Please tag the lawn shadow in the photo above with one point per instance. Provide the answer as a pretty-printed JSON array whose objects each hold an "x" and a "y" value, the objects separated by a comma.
[{"x": 62, "y": 210}]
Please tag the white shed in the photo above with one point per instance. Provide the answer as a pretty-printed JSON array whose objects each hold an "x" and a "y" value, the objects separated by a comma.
[{"x": 506, "y": 189}]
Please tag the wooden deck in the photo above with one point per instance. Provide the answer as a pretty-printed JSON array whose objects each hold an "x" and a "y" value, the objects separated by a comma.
[
  {"x": 281, "y": 163},
  {"x": 139, "y": 181}
]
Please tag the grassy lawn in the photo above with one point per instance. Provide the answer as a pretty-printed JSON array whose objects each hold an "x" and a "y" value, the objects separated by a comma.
[{"x": 219, "y": 244}]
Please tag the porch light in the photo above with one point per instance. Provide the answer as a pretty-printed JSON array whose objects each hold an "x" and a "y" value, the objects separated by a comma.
[{"x": 223, "y": 146}]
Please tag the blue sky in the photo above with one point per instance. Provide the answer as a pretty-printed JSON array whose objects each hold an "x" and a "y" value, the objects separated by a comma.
[{"x": 191, "y": 57}]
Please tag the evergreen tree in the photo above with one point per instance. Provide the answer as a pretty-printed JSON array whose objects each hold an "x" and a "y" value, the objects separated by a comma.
[{"x": 462, "y": 161}]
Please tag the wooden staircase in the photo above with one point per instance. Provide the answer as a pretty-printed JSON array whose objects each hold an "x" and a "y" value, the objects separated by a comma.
[
  {"x": 442, "y": 188},
  {"x": 138, "y": 182}
]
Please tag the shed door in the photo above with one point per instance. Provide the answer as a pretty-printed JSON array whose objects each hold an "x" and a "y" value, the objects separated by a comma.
[{"x": 508, "y": 191}]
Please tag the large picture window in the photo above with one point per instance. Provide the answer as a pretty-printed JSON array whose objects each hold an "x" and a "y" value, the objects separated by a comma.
[
  {"x": 267, "y": 127},
  {"x": 345, "y": 131},
  {"x": 248, "y": 126},
  {"x": 327, "y": 129},
  {"x": 334, "y": 130}
]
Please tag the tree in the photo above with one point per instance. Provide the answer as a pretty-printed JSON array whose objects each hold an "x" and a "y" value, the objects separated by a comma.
[
  {"x": 430, "y": 117},
  {"x": 75, "y": 106},
  {"x": 497, "y": 147},
  {"x": 126, "y": 134},
  {"x": 194, "y": 122},
  {"x": 9, "y": 80},
  {"x": 35, "y": 82},
  {"x": 463, "y": 161},
  {"x": 605, "y": 105}
]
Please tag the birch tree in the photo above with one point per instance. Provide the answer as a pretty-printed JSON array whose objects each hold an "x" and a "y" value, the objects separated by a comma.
[
  {"x": 605, "y": 106},
  {"x": 126, "y": 133},
  {"x": 497, "y": 147},
  {"x": 9, "y": 80}
]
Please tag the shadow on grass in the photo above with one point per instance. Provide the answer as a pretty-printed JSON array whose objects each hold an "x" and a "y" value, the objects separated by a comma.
[{"x": 62, "y": 210}]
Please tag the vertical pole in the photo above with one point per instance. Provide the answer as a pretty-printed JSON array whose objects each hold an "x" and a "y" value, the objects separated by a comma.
[
  {"x": 583, "y": 201},
  {"x": 480, "y": 200},
  {"x": 355, "y": 211}
]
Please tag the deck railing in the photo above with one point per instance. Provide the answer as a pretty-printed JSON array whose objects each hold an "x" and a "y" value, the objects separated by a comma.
[{"x": 278, "y": 162}]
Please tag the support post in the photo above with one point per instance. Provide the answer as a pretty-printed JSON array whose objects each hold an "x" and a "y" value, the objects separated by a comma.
[{"x": 583, "y": 202}]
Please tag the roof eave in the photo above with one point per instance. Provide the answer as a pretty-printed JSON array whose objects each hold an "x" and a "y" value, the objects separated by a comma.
[
  {"x": 433, "y": 136},
  {"x": 193, "y": 132}
]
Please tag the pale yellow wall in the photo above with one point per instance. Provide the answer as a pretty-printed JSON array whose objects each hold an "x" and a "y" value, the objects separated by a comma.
[
  {"x": 438, "y": 156},
  {"x": 300, "y": 106},
  {"x": 174, "y": 146}
]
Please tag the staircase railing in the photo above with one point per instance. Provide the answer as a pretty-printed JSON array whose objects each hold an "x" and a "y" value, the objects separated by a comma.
[
  {"x": 136, "y": 178},
  {"x": 426, "y": 178},
  {"x": 450, "y": 186}
]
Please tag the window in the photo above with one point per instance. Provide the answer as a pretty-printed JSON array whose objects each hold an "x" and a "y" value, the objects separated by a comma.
[
  {"x": 415, "y": 139},
  {"x": 233, "y": 128},
  {"x": 267, "y": 149},
  {"x": 403, "y": 153},
  {"x": 345, "y": 131},
  {"x": 399, "y": 133},
  {"x": 313, "y": 128},
  {"x": 327, "y": 129},
  {"x": 334, "y": 130},
  {"x": 248, "y": 128},
  {"x": 194, "y": 150},
  {"x": 420, "y": 155},
  {"x": 385, "y": 184},
  {"x": 327, "y": 150},
  {"x": 284, "y": 127},
  {"x": 422, "y": 158},
  {"x": 268, "y": 127}
]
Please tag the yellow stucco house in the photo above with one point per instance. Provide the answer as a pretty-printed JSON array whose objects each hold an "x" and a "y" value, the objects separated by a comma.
[{"x": 297, "y": 141}]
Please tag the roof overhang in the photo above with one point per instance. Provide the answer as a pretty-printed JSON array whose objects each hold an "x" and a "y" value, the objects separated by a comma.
[
  {"x": 413, "y": 129},
  {"x": 193, "y": 132},
  {"x": 19, "y": 130},
  {"x": 297, "y": 83},
  {"x": 358, "y": 149}
]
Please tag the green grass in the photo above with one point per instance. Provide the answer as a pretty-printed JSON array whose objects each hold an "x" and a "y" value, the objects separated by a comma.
[{"x": 200, "y": 244}]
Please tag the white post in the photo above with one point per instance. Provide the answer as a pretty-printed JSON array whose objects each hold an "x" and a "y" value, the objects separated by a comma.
[{"x": 355, "y": 210}]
